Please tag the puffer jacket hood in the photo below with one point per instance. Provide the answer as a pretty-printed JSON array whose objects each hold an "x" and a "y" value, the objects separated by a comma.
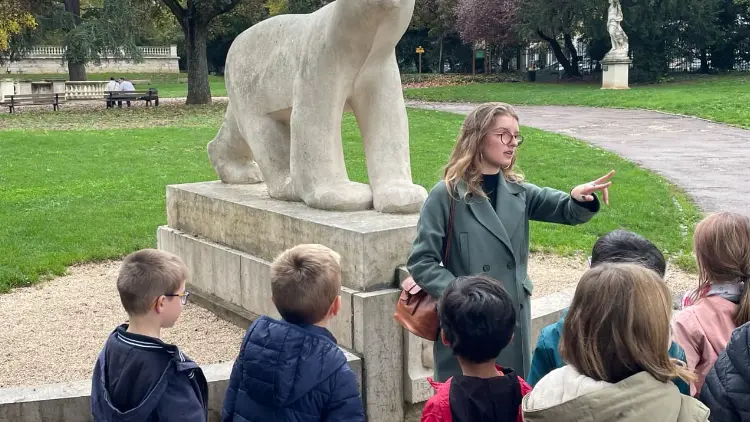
[{"x": 638, "y": 398}]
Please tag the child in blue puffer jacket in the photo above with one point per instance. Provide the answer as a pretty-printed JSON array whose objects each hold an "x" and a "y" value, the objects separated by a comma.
[
  {"x": 616, "y": 246},
  {"x": 292, "y": 369}
]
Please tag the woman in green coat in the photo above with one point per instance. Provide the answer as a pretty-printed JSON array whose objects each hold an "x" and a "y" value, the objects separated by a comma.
[{"x": 493, "y": 206}]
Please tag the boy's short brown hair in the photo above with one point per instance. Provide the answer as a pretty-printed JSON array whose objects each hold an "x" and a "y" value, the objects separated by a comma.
[
  {"x": 305, "y": 281},
  {"x": 147, "y": 274}
]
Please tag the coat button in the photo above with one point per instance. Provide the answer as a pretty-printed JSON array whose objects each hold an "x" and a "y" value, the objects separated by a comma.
[
  {"x": 511, "y": 265},
  {"x": 486, "y": 268}
]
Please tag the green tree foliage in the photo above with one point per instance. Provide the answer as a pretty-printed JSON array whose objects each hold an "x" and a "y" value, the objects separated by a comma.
[{"x": 88, "y": 29}]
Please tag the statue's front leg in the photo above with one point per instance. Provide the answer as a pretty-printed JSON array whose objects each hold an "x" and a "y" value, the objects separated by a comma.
[
  {"x": 317, "y": 166},
  {"x": 378, "y": 104}
]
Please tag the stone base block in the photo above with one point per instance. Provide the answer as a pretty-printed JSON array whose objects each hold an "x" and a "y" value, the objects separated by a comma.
[
  {"x": 245, "y": 218},
  {"x": 615, "y": 73},
  {"x": 235, "y": 285},
  {"x": 378, "y": 339}
]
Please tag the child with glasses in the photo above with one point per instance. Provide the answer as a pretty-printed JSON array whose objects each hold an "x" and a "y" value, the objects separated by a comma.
[{"x": 137, "y": 376}]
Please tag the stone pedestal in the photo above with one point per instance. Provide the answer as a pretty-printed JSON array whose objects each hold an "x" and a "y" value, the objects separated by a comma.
[{"x": 615, "y": 73}]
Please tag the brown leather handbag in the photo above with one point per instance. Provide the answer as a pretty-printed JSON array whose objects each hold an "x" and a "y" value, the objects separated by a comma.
[{"x": 416, "y": 310}]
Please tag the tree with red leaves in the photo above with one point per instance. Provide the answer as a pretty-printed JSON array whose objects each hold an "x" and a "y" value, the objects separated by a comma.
[{"x": 492, "y": 21}]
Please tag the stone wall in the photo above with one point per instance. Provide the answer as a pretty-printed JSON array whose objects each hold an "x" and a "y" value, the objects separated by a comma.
[
  {"x": 48, "y": 60},
  {"x": 71, "y": 401}
]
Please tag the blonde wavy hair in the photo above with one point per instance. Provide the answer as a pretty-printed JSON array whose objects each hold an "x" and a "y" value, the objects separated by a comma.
[
  {"x": 722, "y": 249},
  {"x": 466, "y": 158},
  {"x": 618, "y": 325}
]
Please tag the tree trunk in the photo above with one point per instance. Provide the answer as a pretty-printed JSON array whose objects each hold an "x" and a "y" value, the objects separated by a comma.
[
  {"x": 199, "y": 91},
  {"x": 488, "y": 60},
  {"x": 440, "y": 55},
  {"x": 473, "y": 61},
  {"x": 704, "y": 60},
  {"x": 518, "y": 58},
  {"x": 573, "y": 56},
  {"x": 559, "y": 55},
  {"x": 76, "y": 71}
]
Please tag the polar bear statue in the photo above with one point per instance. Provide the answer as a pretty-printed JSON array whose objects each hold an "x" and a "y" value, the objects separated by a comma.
[{"x": 289, "y": 80}]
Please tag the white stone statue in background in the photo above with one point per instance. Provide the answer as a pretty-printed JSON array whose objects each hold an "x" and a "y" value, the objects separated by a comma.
[
  {"x": 289, "y": 80},
  {"x": 617, "y": 36}
]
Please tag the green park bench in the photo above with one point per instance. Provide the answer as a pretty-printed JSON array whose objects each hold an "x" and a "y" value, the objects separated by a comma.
[{"x": 150, "y": 95}]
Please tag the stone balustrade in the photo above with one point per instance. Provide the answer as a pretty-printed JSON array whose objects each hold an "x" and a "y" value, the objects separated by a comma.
[
  {"x": 85, "y": 90},
  {"x": 59, "y": 51},
  {"x": 50, "y": 59}
]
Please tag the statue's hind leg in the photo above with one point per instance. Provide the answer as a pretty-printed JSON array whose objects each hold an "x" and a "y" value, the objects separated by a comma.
[
  {"x": 269, "y": 139},
  {"x": 231, "y": 155}
]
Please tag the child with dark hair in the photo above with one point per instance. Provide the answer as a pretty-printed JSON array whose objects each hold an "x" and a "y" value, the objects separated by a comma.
[
  {"x": 477, "y": 319},
  {"x": 618, "y": 246}
]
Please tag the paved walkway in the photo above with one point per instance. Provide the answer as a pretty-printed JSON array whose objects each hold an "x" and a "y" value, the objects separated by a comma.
[{"x": 710, "y": 161}]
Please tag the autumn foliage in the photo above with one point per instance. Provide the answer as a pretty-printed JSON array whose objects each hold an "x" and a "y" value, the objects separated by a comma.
[
  {"x": 491, "y": 21},
  {"x": 14, "y": 18}
]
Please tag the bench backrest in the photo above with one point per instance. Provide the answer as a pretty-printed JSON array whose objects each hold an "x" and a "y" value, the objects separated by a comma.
[
  {"x": 35, "y": 98},
  {"x": 117, "y": 94}
]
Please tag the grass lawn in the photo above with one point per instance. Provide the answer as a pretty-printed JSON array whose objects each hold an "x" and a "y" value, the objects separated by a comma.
[
  {"x": 91, "y": 192},
  {"x": 719, "y": 98},
  {"x": 168, "y": 84}
]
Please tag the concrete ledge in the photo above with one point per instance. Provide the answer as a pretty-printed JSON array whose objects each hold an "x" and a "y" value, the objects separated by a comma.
[
  {"x": 237, "y": 286},
  {"x": 71, "y": 401},
  {"x": 246, "y": 219}
]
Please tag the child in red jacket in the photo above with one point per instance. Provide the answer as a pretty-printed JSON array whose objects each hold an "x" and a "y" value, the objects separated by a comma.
[{"x": 477, "y": 317}]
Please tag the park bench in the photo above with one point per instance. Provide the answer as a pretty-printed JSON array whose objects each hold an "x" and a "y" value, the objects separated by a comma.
[
  {"x": 22, "y": 100},
  {"x": 149, "y": 95}
]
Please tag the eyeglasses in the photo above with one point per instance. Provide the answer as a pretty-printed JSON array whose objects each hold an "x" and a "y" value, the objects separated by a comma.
[
  {"x": 183, "y": 297},
  {"x": 507, "y": 137}
]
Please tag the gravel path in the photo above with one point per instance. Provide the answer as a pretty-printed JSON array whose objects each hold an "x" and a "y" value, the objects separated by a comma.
[
  {"x": 57, "y": 328},
  {"x": 52, "y": 332}
]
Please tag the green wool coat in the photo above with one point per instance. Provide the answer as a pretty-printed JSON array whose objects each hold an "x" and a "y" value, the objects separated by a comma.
[{"x": 488, "y": 241}]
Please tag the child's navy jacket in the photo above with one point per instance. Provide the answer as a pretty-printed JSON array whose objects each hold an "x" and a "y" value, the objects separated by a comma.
[
  {"x": 288, "y": 372},
  {"x": 141, "y": 378}
]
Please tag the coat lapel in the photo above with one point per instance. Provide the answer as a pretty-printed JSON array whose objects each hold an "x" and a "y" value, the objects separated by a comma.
[
  {"x": 483, "y": 212},
  {"x": 510, "y": 208}
]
